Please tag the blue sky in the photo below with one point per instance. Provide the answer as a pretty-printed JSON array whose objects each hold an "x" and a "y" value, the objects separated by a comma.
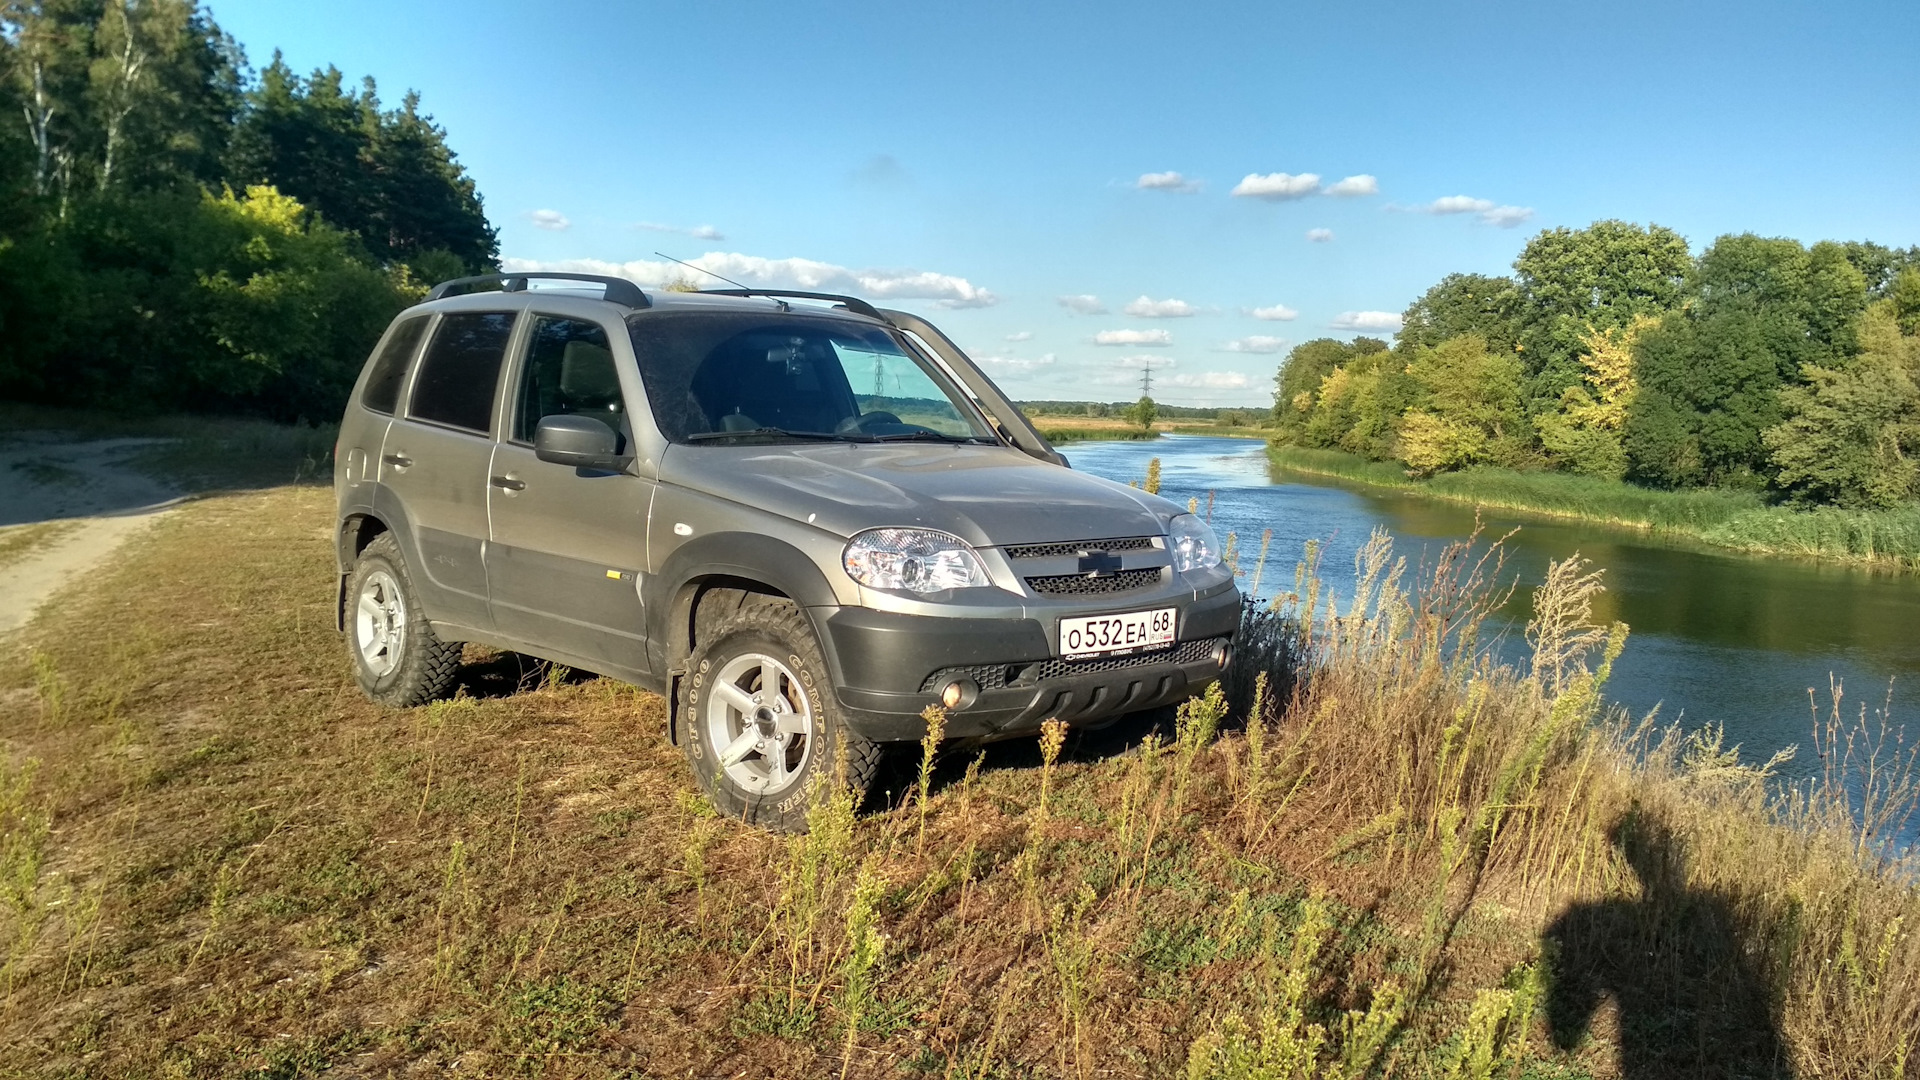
[{"x": 983, "y": 163}]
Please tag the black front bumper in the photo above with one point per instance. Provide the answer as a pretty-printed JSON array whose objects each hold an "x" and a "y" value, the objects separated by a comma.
[{"x": 888, "y": 667}]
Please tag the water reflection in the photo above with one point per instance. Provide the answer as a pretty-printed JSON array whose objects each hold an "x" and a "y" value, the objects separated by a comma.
[{"x": 1716, "y": 637}]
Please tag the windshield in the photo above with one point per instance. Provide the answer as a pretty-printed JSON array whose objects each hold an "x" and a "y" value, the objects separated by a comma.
[{"x": 716, "y": 377}]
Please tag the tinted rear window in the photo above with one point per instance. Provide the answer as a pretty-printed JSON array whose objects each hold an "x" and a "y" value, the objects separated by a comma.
[
  {"x": 461, "y": 369},
  {"x": 390, "y": 367}
]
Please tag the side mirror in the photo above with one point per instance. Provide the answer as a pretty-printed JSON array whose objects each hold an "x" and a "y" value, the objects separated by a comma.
[{"x": 579, "y": 441}]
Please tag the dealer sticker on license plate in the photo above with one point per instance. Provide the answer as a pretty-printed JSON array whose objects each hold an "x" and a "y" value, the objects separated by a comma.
[{"x": 1110, "y": 635}]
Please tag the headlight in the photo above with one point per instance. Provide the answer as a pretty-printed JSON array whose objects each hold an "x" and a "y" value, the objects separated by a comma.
[
  {"x": 917, "y": 560},
  {"x": 1194, "y": 544}
]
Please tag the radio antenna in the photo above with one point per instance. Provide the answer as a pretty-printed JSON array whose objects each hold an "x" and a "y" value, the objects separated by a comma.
[{"x": 703, "y": 270}]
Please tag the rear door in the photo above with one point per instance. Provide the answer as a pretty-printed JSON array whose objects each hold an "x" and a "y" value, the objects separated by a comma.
[
  {"x": 435, "y": 459},
  {"x": 568, "y": 546}
]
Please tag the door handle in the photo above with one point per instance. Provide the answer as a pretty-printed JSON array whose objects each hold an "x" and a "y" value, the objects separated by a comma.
[
  {"x": 398, "y": 461},
  {"x": 508, "y": 483}
]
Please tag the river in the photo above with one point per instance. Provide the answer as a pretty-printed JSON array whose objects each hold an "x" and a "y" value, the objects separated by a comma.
[{"x": 1716, "y": 638}]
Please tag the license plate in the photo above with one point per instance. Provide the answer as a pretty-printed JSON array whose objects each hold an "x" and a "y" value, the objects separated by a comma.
[{"x": 1113, "y": 635}]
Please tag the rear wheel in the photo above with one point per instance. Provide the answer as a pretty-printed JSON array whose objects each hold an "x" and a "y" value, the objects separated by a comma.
[
  {"x": 764, "y": 733},
  {"x": 397, "y": 658}
]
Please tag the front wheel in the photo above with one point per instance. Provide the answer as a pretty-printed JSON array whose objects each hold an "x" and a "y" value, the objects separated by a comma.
[{"x": 764, "y": 731}]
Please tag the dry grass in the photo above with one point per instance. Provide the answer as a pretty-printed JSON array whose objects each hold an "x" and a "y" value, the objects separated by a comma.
[
  {"x": 18, "y": 542},
  {"x": 219, "y": 860}
]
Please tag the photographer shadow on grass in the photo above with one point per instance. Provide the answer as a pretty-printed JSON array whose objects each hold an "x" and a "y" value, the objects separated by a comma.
[{"x": 1690, "y": 1001}]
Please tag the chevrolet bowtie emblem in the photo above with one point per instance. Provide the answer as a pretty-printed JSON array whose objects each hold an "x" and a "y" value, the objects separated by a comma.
[{"x": 1099, "y": 564}]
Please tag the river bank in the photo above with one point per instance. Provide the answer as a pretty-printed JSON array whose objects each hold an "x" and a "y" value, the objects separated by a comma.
[{"x": 1738, "y": 521}]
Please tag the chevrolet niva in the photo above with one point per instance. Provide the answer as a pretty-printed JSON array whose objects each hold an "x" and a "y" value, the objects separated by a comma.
[{"x": 799, "y": 518}]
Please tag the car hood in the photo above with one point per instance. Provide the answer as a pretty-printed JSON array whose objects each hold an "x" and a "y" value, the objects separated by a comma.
[{"x": 985, "y": 495}]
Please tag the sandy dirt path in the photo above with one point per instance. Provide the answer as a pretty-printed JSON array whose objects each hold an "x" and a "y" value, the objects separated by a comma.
[{"x": 66, "y": 506}]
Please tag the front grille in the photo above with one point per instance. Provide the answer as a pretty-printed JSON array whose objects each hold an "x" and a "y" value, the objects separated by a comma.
[
  {"x": 1187, "y": 652},
  {"x": 1085, "y": 584},
  {"x": 1048, "y": 551}
]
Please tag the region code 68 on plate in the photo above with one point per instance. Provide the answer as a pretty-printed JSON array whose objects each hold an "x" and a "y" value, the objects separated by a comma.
[{"x": 1106, "y": 635}]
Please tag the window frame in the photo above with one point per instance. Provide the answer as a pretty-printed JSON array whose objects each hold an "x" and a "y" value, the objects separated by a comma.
[
  {"x": 403, "y": 394},
  {"x": 522, "y": 357},
  {"x": 514, "y": 335}
]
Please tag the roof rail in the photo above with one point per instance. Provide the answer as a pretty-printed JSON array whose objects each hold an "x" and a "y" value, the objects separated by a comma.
[
  {"x": 618, "y": 290},
  {"x": 852, "y": 303}
]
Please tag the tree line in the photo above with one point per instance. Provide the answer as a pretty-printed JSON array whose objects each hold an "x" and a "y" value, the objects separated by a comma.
[
  {"x": 1613, "y": 351},
  {"x": 181, "y": 232}
]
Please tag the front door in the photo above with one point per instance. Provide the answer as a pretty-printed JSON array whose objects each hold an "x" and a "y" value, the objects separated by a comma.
[
  {"x": 434, "y": 461},
  {"x": 568, "y": 545}
]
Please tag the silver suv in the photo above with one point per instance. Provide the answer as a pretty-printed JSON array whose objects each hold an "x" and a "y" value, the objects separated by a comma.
[{"x": 801, "y": 519}]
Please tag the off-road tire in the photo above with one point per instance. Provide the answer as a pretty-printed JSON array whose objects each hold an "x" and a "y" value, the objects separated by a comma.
[
  {"x": 775, "y": 628},
  {"x": 425, "y": 666}
]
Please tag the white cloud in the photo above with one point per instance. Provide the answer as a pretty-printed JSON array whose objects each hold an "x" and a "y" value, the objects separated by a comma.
[
  {"x": 945, "y": 290},
  {"x": 1367, "y": 320},
  {"x": 1210, "y": 380},
  {"x": 1083, "y": 304},
  {"x": 1459, "y": 204},
  {"x": 1133, "y": 337},
  {"x": 1506, "y": 217},
  {"x": 1255, "y": 343},
  {"x": 1276, "y": 313},
  {"x": 1278, "y": 186},
  {"x": 550, "y": 219},
  {"x": 1320, "y": 236},
  {"x": 1148, "y": 308},
  {"x": 698, "y": 232},
  {"x": 1020, "y": 335},
  {"x": 1489, "y": 213},
  {"x": 1015, "y": 365},
  {"x": 1363, "y": 184},
  {"x": 1166, "y": 181}
]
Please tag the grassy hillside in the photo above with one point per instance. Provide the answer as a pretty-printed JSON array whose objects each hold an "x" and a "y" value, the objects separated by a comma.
[{"x": 217, "y": 859}]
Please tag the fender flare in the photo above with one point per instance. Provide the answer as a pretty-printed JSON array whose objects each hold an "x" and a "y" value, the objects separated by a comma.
[
  {"x": 747, "y": 558},
  {"x": 392, "y": 515}
]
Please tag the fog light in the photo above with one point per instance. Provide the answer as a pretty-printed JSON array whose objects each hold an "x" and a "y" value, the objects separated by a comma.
[
  {"x": 959, "y": 693},
  {"x": 1223, "y": 654}
]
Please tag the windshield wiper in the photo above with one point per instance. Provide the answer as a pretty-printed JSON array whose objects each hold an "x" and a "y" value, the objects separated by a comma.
[
  {"x": 935, "y": 436},
  {"x": 769, "y": 432}
]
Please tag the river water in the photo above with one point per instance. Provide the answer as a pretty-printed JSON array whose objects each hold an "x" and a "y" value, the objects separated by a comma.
[{"x": 1716, "y": 638}]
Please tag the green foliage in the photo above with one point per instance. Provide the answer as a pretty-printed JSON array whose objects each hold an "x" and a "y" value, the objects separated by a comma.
[
  {"x": 557, "y": 1015},
  {"x": 1575, "y": 281},
  {"x": 388, "y": 177},
  {"x": 1613, "y": 354},
  {"x": 1710, "y": 377},
  {"x": 1472, "y": 409},
  {"x": 195, "y": 303},
  {"x": 1465, "y": 304},
  {"x": 1143, "y": 413},
  {"x": 131, "y": 276},
  {"x": 1852, "y": 435}
]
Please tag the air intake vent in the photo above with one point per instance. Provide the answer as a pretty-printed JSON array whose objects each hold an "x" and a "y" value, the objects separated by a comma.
[
  {"x": 1086, "y": 585},
  {"x": 1187, "y": 652},
  {"x": 1048, "y": 551}
]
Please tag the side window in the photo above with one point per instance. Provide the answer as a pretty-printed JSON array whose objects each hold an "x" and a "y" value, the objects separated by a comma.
[
  {"x": 569, "y": 372},
  {"x": 390, "y": 367},
  {"x": 458, "y": 374}
]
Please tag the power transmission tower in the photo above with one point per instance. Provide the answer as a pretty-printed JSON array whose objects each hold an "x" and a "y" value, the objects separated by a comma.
[
  {"x": 1146, "y": 381},
  {"x": 879, "y": 376}
]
